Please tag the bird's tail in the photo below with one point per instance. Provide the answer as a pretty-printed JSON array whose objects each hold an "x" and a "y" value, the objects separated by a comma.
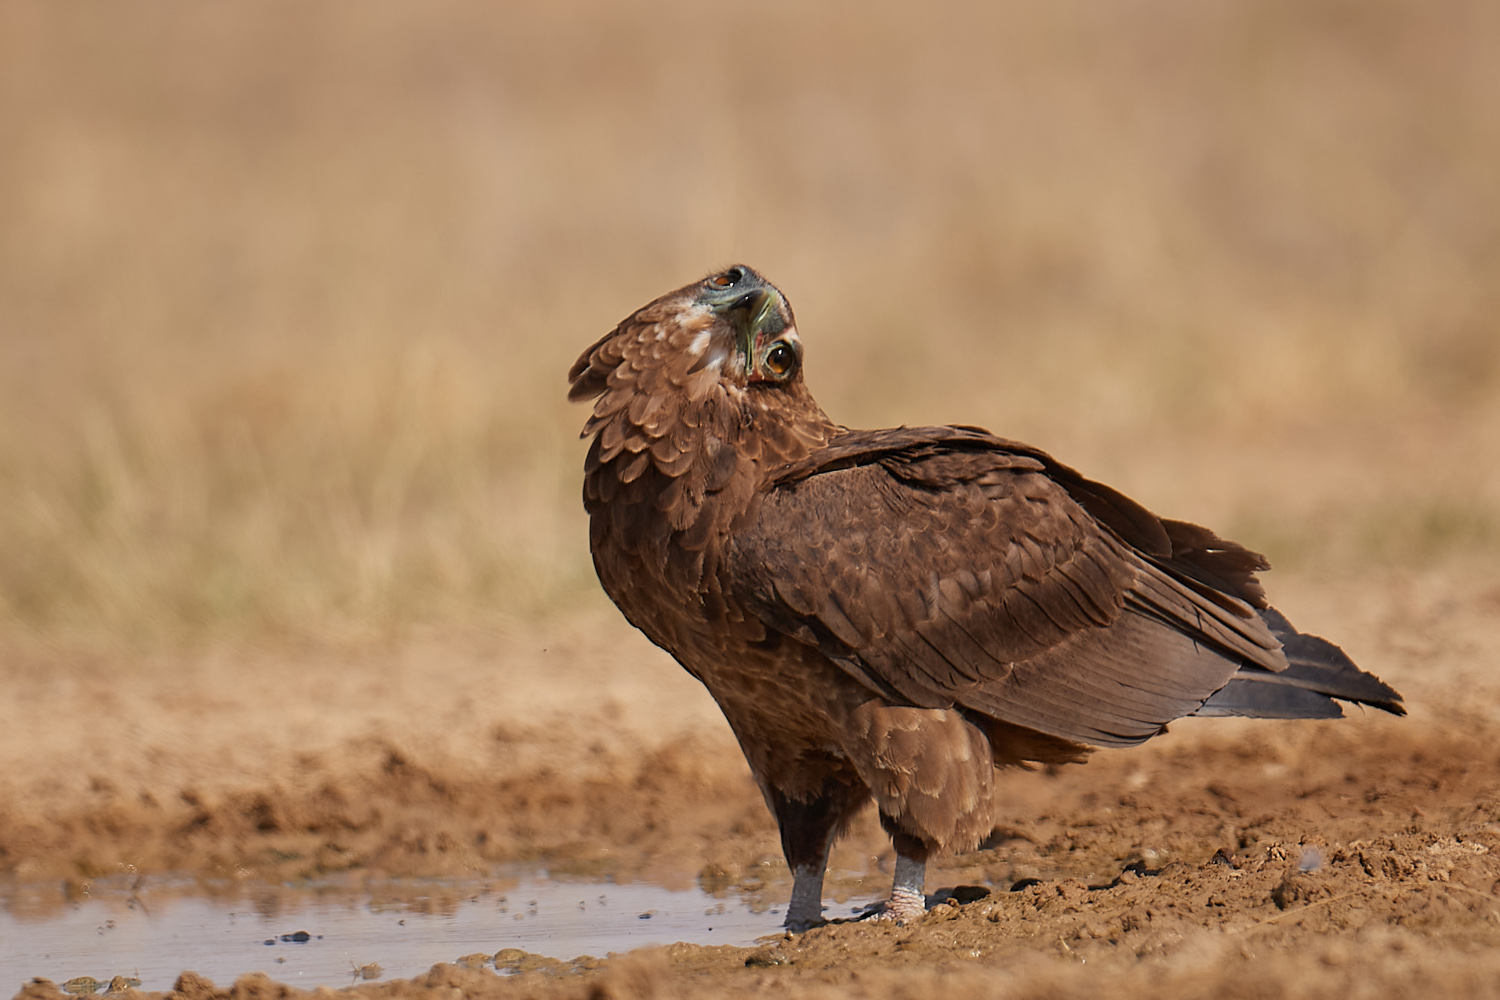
[{"x": 1318, "y": 677}]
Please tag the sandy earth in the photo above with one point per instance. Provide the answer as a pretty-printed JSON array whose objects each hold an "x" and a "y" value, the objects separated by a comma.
[{"x": 1235, "y": 858}]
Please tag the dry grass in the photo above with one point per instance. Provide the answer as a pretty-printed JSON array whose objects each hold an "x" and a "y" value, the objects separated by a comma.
[{"x": 287, "y": 291}]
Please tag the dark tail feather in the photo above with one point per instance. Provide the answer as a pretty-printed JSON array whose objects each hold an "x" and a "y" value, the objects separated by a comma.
[{"x": 1319, "y": 672}]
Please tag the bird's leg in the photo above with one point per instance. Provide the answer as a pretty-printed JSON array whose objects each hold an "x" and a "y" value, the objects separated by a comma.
[
  {"x": 907, "y": 900},
  {"x": 806, "y": 907},
  {"x": 808, "y": 829}
]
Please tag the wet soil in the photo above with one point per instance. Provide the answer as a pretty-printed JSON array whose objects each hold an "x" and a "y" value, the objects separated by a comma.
[{"x": 1232, "y": 858}]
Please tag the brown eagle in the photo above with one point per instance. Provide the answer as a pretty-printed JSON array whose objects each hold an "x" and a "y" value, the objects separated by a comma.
[{"x": 892, "y": 614}]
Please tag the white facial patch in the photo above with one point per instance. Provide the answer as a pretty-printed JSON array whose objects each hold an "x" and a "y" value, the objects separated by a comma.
[{"x": 716, "y": 354}]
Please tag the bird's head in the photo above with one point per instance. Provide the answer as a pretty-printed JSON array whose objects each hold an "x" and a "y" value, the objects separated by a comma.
[
  {"x": 732, "y": 332},
  {"x": 749, "y": 333}
]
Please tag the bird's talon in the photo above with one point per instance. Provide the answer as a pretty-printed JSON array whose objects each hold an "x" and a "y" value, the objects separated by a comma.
[{"x": 802, "y": 926}]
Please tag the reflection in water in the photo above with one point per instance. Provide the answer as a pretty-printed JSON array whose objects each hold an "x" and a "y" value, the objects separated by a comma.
[{"x": 403, "y": 927}]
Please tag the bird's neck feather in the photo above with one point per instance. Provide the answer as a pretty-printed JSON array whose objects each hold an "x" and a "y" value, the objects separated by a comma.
[{"x": 665, "y": 491}]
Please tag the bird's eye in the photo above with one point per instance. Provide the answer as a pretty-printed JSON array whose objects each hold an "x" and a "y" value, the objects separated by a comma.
[
  {"x": 729, "y": 278},
  {"x": 780, "y": 358}
]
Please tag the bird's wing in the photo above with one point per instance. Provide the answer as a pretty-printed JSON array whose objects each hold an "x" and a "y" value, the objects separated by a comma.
[{"x": 944, "y": 566}]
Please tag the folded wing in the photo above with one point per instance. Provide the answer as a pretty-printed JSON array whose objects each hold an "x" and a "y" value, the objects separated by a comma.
[{"x": 946, "y": 567}]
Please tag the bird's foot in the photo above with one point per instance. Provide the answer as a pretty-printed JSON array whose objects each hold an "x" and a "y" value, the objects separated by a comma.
[
  {"x": 798, "y": 926},
  {"x": 906, "y": 901},
  {"x": 902, "y": 907}
]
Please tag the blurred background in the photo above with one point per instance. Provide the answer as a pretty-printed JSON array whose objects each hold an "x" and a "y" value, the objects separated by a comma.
[{"x": 288, "y": 291}]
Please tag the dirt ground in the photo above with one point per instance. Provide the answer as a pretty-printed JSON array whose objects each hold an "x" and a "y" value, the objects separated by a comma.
[{"x": 1357, "y": 858}]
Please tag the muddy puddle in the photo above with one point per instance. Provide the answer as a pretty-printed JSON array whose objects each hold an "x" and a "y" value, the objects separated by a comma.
[{"x": 332, "y": 935}]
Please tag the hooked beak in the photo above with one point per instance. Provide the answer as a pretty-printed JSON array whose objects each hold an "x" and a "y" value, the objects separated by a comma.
[{"x": 756, "y": 314}]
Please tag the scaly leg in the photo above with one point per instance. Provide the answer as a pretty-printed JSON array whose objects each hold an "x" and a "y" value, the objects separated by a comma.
[
  {"x": 806, "y": 909},
  {"x": 907, "y": 901},
  {"x": 808, "y": 829}
]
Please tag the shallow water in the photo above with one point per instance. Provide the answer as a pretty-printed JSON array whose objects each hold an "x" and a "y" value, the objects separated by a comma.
[{"x": 405, "y": 926}]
